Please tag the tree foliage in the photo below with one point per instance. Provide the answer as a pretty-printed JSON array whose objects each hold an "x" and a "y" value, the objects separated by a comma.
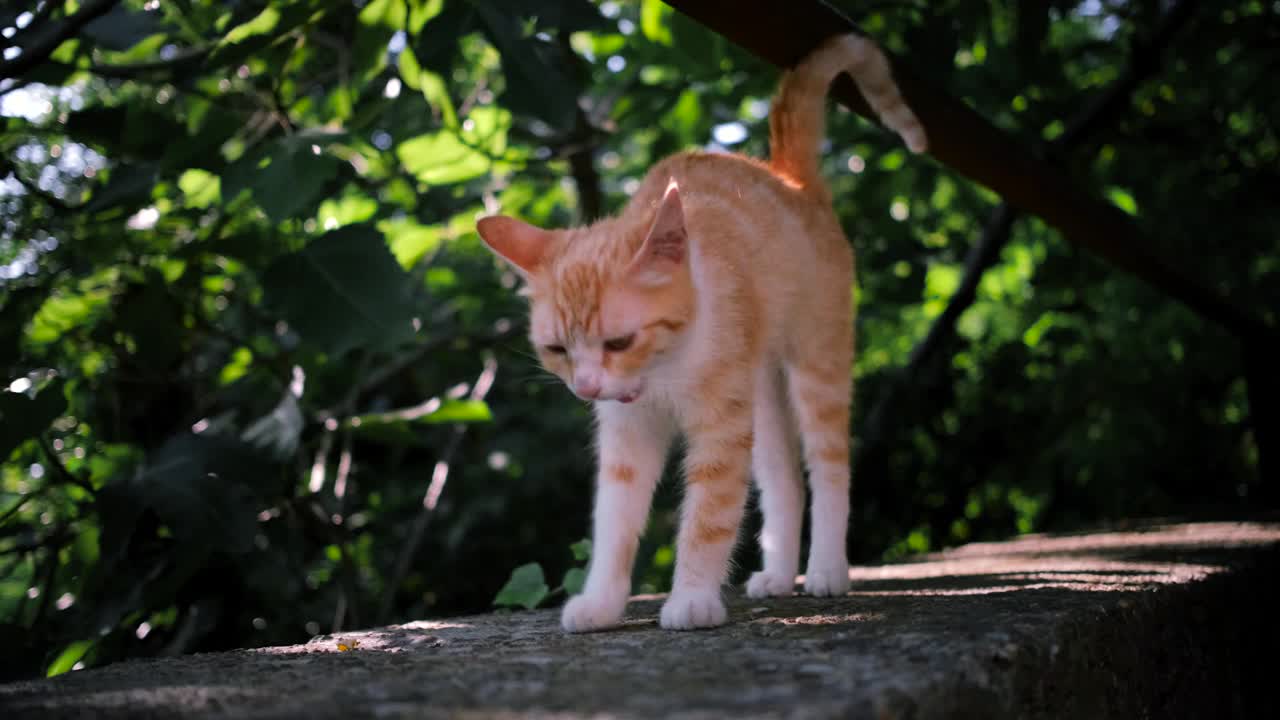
[{"x": 263, "y": 381}]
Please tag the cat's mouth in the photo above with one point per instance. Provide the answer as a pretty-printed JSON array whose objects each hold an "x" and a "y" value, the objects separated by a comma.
[{"x": 631, "y": 395}]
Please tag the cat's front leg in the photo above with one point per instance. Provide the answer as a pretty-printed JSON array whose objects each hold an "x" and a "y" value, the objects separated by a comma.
[
  {"x": 716, "y": 480},
  {"x": 632, "y": 443}
]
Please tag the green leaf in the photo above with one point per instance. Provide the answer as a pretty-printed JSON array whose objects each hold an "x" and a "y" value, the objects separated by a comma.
[
  {"x": 201, "y": 188},
  {"x": 263, "y": 23},
  {"x": 252, "y": 36},
  {"x": 128, "y": 185},
  {"x": 684, "y": 117},
  {"x": 392, "y": 13},
  {"x": 433, "y": 412},
  {"x": 130, "y": 131},
  {"x": 436, "y": 47},
  {"x": 581, "y": 550},
  {"x": 440, "y": 158},
  {"x": 64, "y": 312},
  {"x": 653, "y": 23},
  {"x": 408, "y": 240},
  {"x": 432, "y": 86},
  {"x": 459, "y": 411},
  {"x": 447, "y": 156},
  {"x": 286, "y": 178},
  {"x": 148, "y": 313},
  {"x": 536, "y": 81},
  {"x": 1123, "y": 199},
  {"x": 69, "y": 656},
  {"x": 121, "y": 29},
  {"x": 344, "y": 290},
  {"x": 198, "y": 486},
  {"x": 236, "y": 366},
  {"x": 18, "y": 307},
  {"x": 349, "y": 209},
  {"x": 526, "y": 588},
  {"x": 574, "y": 579},
  {"x": 22, "y": 417},
  {"x": 487, "y": 129}
]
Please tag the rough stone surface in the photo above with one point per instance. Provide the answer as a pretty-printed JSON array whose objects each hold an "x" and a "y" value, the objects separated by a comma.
[{"x": 1164, "y": 621}]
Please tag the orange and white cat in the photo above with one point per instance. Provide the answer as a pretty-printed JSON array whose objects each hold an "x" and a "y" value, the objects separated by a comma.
[{"x": 716, "y": 306}]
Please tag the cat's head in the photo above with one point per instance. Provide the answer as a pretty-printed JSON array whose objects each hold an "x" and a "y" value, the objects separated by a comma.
[{"x": 608, "y": 302}]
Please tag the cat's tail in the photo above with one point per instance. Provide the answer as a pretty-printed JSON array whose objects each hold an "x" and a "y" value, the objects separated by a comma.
[{"x": 797, "y": 121}]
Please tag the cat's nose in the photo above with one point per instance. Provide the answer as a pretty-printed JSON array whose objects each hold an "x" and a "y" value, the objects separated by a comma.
[{"x": 586, "y": 387}]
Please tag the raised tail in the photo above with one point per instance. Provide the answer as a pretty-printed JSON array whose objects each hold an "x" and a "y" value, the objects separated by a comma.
[{"x": 797, "y": 122}]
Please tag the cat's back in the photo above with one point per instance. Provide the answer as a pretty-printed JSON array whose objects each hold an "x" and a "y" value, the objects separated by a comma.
[
  {"x": 768, "y": 246},
  {"x": 740, "y": 203}
]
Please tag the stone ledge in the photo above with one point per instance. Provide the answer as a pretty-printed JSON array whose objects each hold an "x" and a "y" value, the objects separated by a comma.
[{"x": 1165, "y": 621}]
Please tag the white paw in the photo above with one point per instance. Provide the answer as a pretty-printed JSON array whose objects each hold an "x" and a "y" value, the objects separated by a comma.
[
  {"x": 770, "y": 584},
  {"x": 690, "y": 609},
  {"x": 824, "y": 579},
  {"x": 588, "y": 612}
]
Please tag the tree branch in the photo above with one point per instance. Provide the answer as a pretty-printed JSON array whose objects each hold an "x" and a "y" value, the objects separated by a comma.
[
  {"x": 432, "y": 496},
  {"x": 40, "y": 49},
  {"x": 1144, "y": 61},
  {"x": 582, "y": 156},
  {"x": 130, "y": 71},
  {"x": 61, "y": 470}
]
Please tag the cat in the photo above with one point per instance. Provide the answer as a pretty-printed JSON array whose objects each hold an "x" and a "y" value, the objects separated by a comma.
[{"x": 717, "y": 305}]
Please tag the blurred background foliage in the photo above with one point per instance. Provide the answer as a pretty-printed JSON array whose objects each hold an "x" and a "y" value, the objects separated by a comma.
[{"x": 261, "y": 381}]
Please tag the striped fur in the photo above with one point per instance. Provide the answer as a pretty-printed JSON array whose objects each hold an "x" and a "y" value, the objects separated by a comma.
[{"x": 716, "y": 306}]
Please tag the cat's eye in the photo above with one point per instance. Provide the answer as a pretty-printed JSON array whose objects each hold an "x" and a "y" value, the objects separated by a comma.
[
  {"x": 619, "y": 344},
  {"x": 555, "y": 349}
]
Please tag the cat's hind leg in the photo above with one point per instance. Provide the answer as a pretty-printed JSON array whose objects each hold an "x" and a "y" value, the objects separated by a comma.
[
  {"x": 776, "y": 467},
  {"x": 821, "y": 387}
]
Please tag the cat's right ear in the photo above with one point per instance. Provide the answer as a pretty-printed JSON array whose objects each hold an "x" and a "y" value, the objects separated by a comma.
[
  {"x": 666, "y": 247},
  {"x": 519, "y": 243}
]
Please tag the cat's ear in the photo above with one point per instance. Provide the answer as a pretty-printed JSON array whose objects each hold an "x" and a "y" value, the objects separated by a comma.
[
  {"x": 666, "y": 248},
  {"x": 519, "y": 243}
]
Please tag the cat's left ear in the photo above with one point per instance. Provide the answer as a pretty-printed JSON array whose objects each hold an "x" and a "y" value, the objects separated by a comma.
[
  {"x": 666, "y": 248},
  {"x": 519, "y": 243}
]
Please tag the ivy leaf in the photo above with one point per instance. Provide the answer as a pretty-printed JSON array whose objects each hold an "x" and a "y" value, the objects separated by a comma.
[
  {"x": 573, "y": 581},
  {"x": 344, "y": 290},
  {"x": 526, "y": 588}
]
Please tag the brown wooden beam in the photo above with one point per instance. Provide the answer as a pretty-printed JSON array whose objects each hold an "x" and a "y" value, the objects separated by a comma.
[{"x": 784, "y": 32}]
